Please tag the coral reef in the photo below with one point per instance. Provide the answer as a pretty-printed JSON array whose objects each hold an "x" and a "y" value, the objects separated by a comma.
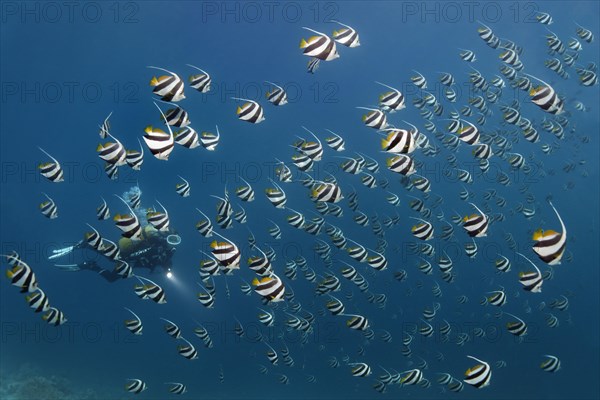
[{"x": 28, "y": 383}]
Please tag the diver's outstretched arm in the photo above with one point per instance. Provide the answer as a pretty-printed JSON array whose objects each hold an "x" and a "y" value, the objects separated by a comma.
[{"x": 66, "y": 250}]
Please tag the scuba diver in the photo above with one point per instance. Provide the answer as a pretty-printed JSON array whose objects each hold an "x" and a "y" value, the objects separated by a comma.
[{"x": 154, "y": 249}]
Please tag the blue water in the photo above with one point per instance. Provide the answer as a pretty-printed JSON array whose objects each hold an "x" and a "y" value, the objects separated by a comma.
[{"x": 64, "y": 70}]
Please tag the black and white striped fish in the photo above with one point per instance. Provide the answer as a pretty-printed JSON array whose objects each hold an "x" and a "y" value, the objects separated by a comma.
[
  {"x": 93, "y": 238},
  {"x": 177, "y": 117},
  {"x": 346, "y": 36},
  {"x": 206, "y": 298},
  {"x": 517, "y": 328},
  {"x": 176, "y": 387},
  {"x": 327, "y": 192},
  {"x": 277, "y": 96},
  {"x": 546, "y": 98},
  {"x": 419, "y": 80},
  {"x": 203, "y": 334},
  {"x": 375, "y": 118},
  {"x": 391, "y": 101},
  {"x": 503, "y": 264},
  {"x": 167, "y": 87},
  {"x": 360, "y": 369},
  {"x": 480, "y": 375},
  {"x": 401, "y": 164},
  {"x": 21, "y": 274},
  {"x": 335, "y": 306},
  {"x": 313, "y": 65},
  {"x": 488, "y": 36},
  {"x": 158, "y": 141},
  {"x": 204, "y": 227},
  {"x": 447, "y": 79},
  {"x": 422, "y": 230},
  {"x": 532, "y": 281},
  {"x": 587, "y": 77},
  {"x": 150, "y": 290},
  {"x": 201, "y": 82},
  {"x": 411, "y": 377},
  {"x": 270, "y": 287},
  {"x": 550, "y": 364},
  {"x": 38, "y": 301},
  {"x": 109, "y": 249},
  {"x": 48, "y": 208},
  {"x": 584, "y": 33},
  {"x": 266, "y": 318},
  {"x": 467, "y": 55},
  {"x": 51, "y": 170},
  {"x": 183, "y": 188},
  {"x": 135, "y": 386},
  {"x": 210, "y": 140},
  {"x": 135, "y": 158},
  {"x": 123, "y": 269},
  {"x": 250, "y": 111},
  {"x": 297, "y": 219},
  {"x": 226, "y": 252},
  {"x": 188, "y": 351},
  {"x": 398, "y": 141},
  {"x": 159, "y": 220},
  {"x": 54, "y": 317},
  {"x": 476, "y": 225},
  {"x": 261, "y": 265},
  {"x": 134, "y": 325},
  {"x": 321, "y": 46},
  {"x": 550, "y": 245},
  {"x": 245, "y": 193},
  {"x": 187, "y": 137},
  {"x": 544, "y": 18},
  {"x": 469, "y": 133},
  {"x": 129, "y": 224},
  {"x": 497, "y": 298},
  {"x": 356, "y": 322},
  {"x": 276, "y": 195}
]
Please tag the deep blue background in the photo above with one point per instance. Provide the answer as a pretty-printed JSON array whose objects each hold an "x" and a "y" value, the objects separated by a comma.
[{"x": 241, "y": 50}]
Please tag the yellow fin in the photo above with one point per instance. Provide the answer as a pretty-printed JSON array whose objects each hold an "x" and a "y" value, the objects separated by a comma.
[
  {"x": 385, "y": 142},
  {"x": 549, "y": 232}
]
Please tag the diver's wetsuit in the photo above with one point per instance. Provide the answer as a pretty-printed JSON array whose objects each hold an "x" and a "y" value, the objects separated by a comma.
[
  {"x": 150, "y": 252},
  {"x": 155, "y": 251}
]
